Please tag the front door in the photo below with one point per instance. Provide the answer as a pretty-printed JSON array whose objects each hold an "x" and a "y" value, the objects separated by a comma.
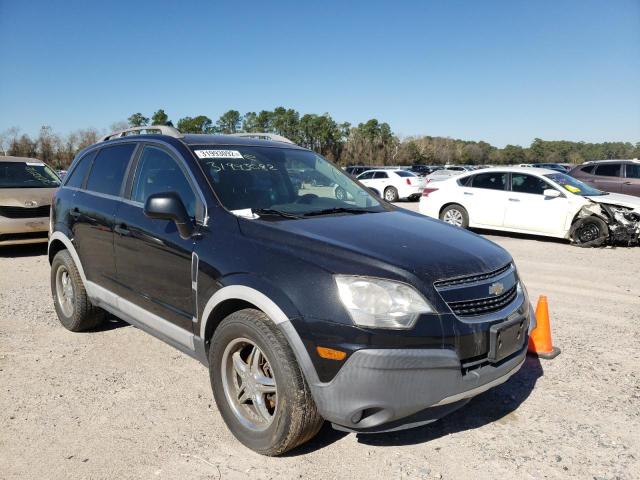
[
  {"x": 153, "y": 262},
  {"x": 607, "y": 177},
  {"x": 529, "y": 209}
]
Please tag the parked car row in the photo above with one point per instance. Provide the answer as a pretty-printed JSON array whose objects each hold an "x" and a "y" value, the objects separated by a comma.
[{"x": 534, "y": 201}]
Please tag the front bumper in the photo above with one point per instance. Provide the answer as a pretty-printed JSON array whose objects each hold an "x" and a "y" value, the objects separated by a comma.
[
  {"x": 390, "y": 389},
  {"x": 14, "y": 231}
]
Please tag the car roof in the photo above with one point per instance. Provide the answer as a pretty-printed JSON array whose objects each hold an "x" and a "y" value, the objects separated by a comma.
[
  {"x": 196, "y": 139},
  {"x": 19, "y": 159},
  {"x": 615, "y": 160},
  {"x": 530, "y": 170}
]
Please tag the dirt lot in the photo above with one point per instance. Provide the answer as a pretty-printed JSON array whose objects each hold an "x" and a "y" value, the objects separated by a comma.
[{"x": 118, "y": 403}]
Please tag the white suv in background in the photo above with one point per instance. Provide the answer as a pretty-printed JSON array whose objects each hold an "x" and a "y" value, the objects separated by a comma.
[{"x": 393, "y": 185}]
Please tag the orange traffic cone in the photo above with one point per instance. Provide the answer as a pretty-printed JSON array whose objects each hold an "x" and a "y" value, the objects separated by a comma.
[{"x": 540, "y": 338}]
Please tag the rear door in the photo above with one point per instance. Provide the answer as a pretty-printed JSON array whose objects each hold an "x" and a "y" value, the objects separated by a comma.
[
  {"x": 608, "y": 177},
  {"x": 153, "y": 262},
  {"x": 486, "y": 198},
  {"x": 528, "y": 208},
  {"x": 93, "y": 213},
  {"x": 631, "y": 184}
]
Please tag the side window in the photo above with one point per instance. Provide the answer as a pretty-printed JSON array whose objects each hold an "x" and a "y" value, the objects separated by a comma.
[
  {"x": 108, "y": 169},
  {"x": 380, "y": 175},
  {"x": 492, "y": 181},
  {"x": 609, "y": 169},
  {"x": 366, "y": 176},
  {"x": 158, "y": 172},
  {"x": 633, "y": 170},
  {"x": 588, "y": 169},
  {"x": 528, "y": 184},
  {"x": 77, "y": 176}
]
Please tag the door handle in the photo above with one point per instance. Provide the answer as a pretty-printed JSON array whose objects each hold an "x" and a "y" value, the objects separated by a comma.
[
  {"x": 122, "y": 229},
  {"x": 626, "y": 183},
  {"x": 514, "y": 200},
  {"x": 75, "y": 213},
  {"x": 468, "y": 193}
]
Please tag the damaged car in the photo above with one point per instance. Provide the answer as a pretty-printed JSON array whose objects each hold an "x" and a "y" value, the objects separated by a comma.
[{"x": 535, "y": 201}]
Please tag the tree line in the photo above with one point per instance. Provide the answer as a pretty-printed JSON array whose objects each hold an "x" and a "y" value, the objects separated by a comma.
[{"x": 367, "y": 143}]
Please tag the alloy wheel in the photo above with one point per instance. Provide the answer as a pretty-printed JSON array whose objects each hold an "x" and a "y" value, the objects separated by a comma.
[{"x": 249, "y": 384}]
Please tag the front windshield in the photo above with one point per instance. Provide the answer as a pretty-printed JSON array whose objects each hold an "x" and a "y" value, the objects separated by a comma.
[
  {"x": 298, "y": 182},
  {"x": 574, "y": 185},
  {"x": 27, "y": 175}
]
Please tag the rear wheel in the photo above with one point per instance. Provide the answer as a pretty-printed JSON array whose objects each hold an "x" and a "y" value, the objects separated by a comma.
[
  {"x": 258, "y": 385},
  {"x": 455, "y": 215},
  {"x": 74, "y": 309},
  {"x": 391, "y": 194}
]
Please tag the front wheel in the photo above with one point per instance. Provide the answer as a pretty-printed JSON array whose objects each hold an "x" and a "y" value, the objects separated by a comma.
[
  {"x": 258, "y": 386},
  {"x": 589, "y": 231},
  {"x": 455, "y": 215}
]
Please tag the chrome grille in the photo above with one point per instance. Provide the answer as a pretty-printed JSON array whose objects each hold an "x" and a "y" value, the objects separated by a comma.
[{"x": 483, "y": 306}]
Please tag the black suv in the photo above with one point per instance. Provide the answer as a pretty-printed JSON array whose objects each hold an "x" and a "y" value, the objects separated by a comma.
[{"x": 304, "y": 307}]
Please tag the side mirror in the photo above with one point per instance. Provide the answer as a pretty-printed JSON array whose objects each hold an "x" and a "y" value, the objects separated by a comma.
[
  {"x": 552, "y": 193},
  {"x": 168, "y": 206}
]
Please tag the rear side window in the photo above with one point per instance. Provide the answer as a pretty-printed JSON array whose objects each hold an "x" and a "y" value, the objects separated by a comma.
[
  {"x": 381, "y": 175},
  {"x": 76, "y": 177},
  {"x": 609, "y": 170},
  {"x": 404, "y": 173},
  {"x": 108, "y": 169},
  {"x": 158, "y": 172},
  {"x": 633, "y": 170},
  {"x": 527, "y": 184},
  {"x": 492, "y": 181}
]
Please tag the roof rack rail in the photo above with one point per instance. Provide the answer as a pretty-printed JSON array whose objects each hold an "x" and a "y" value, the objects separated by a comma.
[
  {"x": 263, "y": 136},
  {"x": 148, "y": 130}
]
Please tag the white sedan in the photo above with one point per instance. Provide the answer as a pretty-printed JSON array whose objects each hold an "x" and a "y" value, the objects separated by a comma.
[
  {"x": 534, "y": 201},
  {"x": 393, "y": 184}
]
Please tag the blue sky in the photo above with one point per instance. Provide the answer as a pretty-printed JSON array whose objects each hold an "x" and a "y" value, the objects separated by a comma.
[{"x": 499, "y": 71}]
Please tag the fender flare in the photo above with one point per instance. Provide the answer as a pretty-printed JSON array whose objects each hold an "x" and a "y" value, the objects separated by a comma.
[
  {"x": 275, "y": 314},
  {"x": 58, "y": 235}
]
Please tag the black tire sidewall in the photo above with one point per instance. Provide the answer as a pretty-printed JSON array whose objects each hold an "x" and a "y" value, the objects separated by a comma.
[
  {"x": 232, "y": 328},
  {"x": 64, "y": 259}
]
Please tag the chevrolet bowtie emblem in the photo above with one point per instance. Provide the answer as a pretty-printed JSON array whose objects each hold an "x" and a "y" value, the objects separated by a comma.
[{"x": 496, "y": 288}]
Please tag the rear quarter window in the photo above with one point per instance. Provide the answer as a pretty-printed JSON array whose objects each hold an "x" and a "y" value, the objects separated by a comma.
[
  {"x": 109, "y": 166},
  {"x": 76, "y": 177}
]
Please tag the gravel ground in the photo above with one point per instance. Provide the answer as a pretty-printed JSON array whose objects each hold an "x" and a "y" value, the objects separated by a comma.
[{"x": 117, "y": 403}]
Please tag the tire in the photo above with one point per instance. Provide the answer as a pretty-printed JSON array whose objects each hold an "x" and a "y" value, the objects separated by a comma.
[
  {"x": 589, "y": 231},
  {"x": 456, "y": 215},
  {"x": 391, "y": 194},
  {"x": 288, "y": 416},
  {"x": 74, "y": 309}
]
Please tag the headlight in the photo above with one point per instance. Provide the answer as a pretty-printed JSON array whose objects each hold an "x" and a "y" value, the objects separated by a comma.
[{"x": 377, "y": 303}]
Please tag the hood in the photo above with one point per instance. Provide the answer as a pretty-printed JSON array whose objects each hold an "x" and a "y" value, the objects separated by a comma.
[
  {"x": 16, "y": 197},
  {"x": 400, "y": 239},
  {"x": 628, "y": 201}
]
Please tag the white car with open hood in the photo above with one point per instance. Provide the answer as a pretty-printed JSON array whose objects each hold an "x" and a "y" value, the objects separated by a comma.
[{"x": 534, "y": 201}]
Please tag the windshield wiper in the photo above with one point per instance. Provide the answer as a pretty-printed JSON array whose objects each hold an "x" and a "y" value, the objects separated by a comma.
[
  {"x": 329, "y": 211},
  {"x": 274, "y": 212}
]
